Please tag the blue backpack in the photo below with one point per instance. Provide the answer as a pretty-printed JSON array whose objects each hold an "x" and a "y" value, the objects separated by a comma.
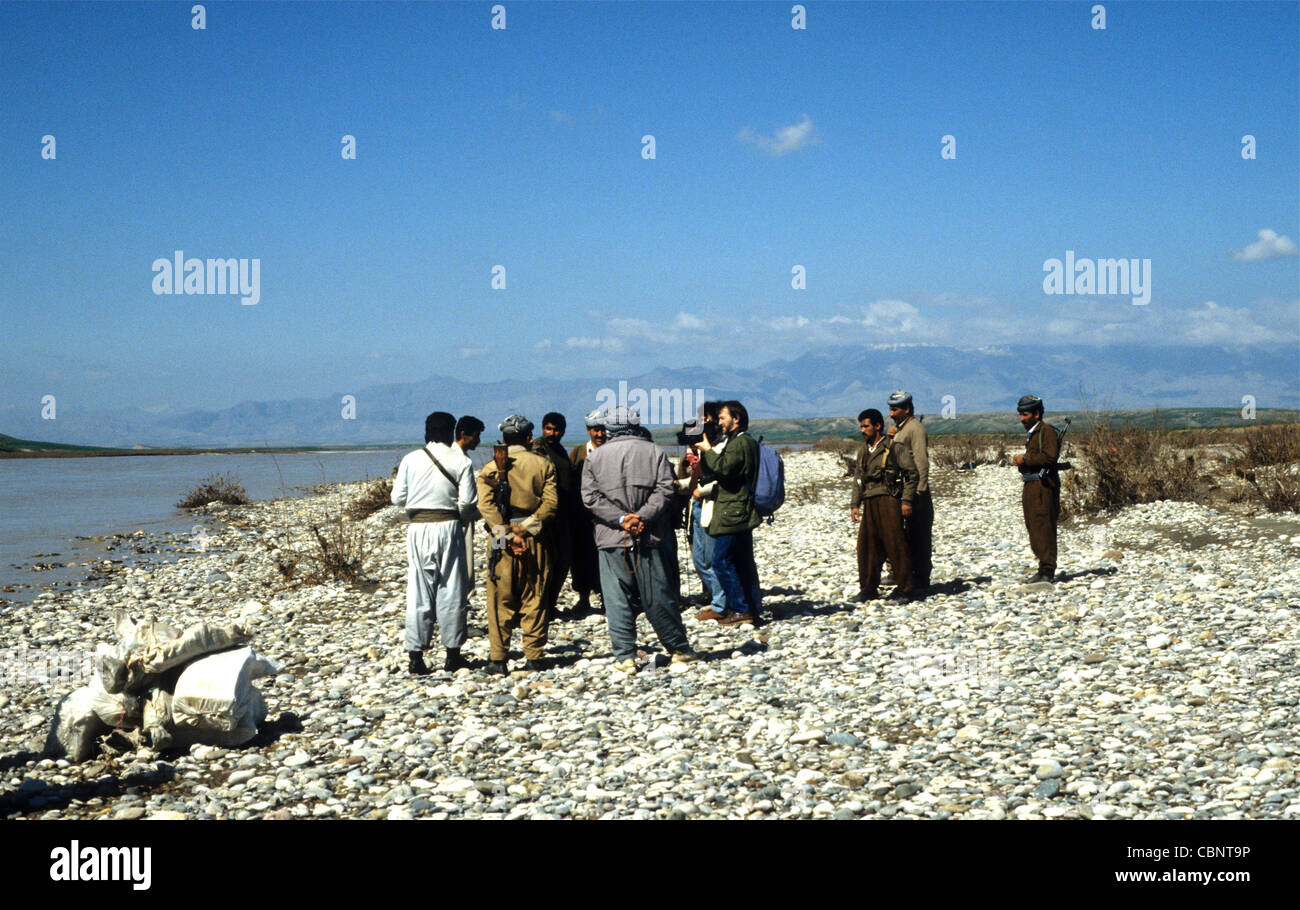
[{"x": 769, "y": 487}]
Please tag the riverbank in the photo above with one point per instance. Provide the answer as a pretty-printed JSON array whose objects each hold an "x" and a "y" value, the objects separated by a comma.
[{"x": 1154, "y": 681}]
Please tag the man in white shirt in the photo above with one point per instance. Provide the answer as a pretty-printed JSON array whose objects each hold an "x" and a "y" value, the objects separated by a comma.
[{"x": 435, "y": 484}]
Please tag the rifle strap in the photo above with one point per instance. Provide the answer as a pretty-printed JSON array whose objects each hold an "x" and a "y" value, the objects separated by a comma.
[{"x": 438, "y": 465}]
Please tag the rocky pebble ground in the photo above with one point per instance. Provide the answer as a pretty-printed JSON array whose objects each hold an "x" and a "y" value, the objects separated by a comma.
[{"x": 1155, "y": 680}]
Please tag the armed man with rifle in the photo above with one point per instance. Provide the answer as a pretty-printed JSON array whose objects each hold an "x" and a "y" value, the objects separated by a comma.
[
  {"x": 518, "y": 498},
  {"x": 918, "y": 511},
  {"x": 1041, "y": 494},
  {"x": 884, "y": 478}
]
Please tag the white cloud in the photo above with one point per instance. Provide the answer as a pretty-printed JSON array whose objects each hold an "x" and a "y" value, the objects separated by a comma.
[
  {"x": 594, "y": 344},
  {"x": 472, "y": 352},
  {"x": 894, "y": 315},
  {"x": 786, "y": 139},
  {"x": 643, "y": 330},
  {"x": 1269, "y": 246},
  {"x": 787, "y": 323},
  {"x": 542, "y": 345},
  {"x": 1215, "y": 324},
  {"x": 687, "y": 321}
]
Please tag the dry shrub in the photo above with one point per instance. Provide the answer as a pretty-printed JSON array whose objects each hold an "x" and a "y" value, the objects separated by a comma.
[
  {"x": 1128, "y": 465},
  {"x": 1278, "y": 444},
  {"x": 976, "y": 449},
  {"x": 1277, "y": 488},
  {"x": 215, "y": 488},
  {"x": 376, "y": 495},
  {"x": 341, "y": 551},
  {"x": 1280, "y": 493}
]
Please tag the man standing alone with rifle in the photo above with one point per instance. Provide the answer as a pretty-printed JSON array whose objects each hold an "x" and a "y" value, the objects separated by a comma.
[{"x": 1041, "y": 496}]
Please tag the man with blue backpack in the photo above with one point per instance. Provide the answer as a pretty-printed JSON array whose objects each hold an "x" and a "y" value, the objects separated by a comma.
[{"x": 735, "y": 464}]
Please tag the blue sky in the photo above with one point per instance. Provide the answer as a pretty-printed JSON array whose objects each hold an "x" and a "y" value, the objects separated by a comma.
[{"x": 522, "y": 147}]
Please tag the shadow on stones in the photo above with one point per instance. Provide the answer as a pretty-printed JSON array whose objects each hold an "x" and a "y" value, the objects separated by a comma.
[
  {"x": 271, "y": 730},
  {"x": 1084, "y": 573},
  {"x": 955, "y": 586},
  {"x": 39, "y": 796},
  {"x": 789, "y": 610}
]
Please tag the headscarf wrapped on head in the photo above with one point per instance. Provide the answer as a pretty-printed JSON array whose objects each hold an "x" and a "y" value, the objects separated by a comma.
[
  {"x": 622, "y": 421},
  {"x": 516, "y": 425}
]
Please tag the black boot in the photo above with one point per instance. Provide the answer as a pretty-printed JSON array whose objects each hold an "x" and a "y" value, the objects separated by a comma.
[
  {"x": 536, "y": 665},
  {"x": 415, "y": 664},
  {"x": 495, "y": 668},
  {"x": 454, "y": 661}
]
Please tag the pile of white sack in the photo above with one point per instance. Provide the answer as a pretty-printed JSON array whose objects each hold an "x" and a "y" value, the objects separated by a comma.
[{"x": 165, "y": 688}]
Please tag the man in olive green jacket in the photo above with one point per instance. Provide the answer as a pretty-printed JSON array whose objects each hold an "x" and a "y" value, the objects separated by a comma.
[
  {"x": 884, "y": 479},
  {"x": 734, "y": 463}
]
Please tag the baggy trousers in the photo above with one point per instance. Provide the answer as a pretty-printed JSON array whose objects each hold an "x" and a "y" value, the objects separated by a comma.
[
  {"x": 917, "y": 529},
  {"x": 648, "y": 589},
  {"x": 435, "y": 583},
  {"x": 734, "y": 566},
  {"x": 880, "y": 535},
  {"x": 702, "y": 556},
  {"x": 561, "y": 541},
  {"x": 1042, "y": 506},
  {"x": 514, "y": 600},
  {"x": 585, "y": 568}
]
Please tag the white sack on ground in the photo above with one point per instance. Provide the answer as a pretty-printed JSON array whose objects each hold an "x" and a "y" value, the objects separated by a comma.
[
  {"x": 76, "y": 725},
  {"x": 157, "y": 718},
  {"x": 147, "y": 649},
  {"x": 215, "y": 701}
]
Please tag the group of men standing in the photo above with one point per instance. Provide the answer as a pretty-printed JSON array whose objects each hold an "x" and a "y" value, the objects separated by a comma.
[
  {"x": 606, "y": 512},
  {"x": 894, "y": 512}
]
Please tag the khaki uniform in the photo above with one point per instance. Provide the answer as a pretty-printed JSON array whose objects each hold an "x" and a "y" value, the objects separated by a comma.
[
  {"x": 880, "y": 529},
  {"x": 918, "y": 526},
  {"x": 515, "y": 597},
  {"x": 561, "y": 533},
  {"x": 1041, "y": 499}
]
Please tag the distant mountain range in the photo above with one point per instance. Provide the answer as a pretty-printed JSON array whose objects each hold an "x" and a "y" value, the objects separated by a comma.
[{"x": 830, "y": 382}]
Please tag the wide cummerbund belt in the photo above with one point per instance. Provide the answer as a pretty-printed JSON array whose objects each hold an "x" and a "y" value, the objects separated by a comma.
[
  {"x": 516, "y": 514},
  {"x": 422, "y": 515}
]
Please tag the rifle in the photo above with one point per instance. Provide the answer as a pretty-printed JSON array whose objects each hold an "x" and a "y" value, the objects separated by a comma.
[
  {"x": 1050, "y": 478},
  {"x": 501, "y": 500}
]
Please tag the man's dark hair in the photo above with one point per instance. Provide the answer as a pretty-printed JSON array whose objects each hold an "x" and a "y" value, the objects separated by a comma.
[
  {"x": 468, "y": 426},
  {"x": 737, "y": 411},
  {"x": 710, "y": 409},
  {"x": 438, "y": 427},
  {"x": 873, "y": 415},
  {"x": 556, "y": 419}
]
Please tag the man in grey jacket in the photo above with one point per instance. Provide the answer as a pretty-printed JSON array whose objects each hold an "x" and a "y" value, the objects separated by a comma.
[{"x": 626, "y": 486}]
